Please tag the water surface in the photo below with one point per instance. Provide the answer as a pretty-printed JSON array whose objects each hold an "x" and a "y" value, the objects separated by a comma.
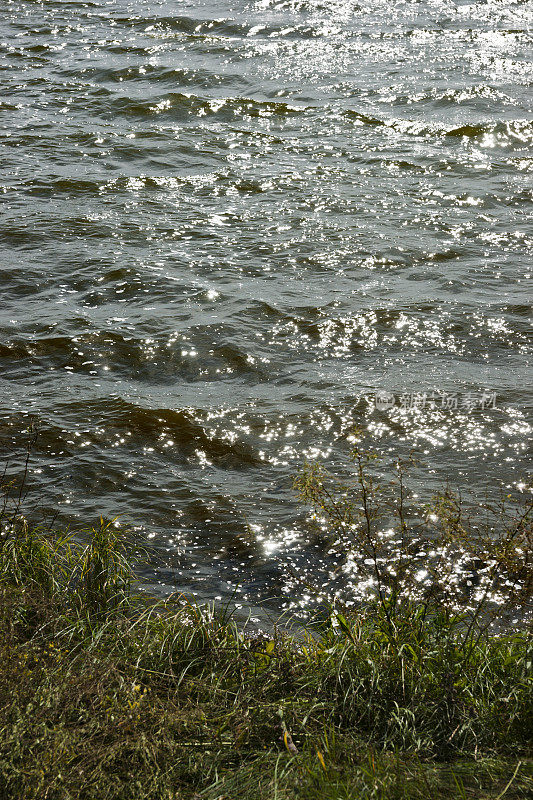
[{"x": 225, "y": 226}]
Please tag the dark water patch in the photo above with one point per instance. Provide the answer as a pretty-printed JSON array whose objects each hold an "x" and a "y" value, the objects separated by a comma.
[
  {"x": 53, "y": 187},
  {"x": 516, "y": 133},
  {"x": 182, "y": 24},
  {"x": 521, "y": 130},
  {"x": 166, "y": 75},
  {"x": 195, "y": 27},
  {"x": 186, "y": 430},
  {"x": 176, "y": 106}
]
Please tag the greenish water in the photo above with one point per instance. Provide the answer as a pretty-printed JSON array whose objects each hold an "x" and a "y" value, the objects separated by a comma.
[{"x": 226, "y": 226}]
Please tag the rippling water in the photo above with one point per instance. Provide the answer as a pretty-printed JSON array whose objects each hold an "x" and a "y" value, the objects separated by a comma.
[{"x": 226, "y": 226}]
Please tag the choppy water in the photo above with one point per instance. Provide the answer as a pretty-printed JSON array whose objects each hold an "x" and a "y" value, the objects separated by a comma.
[{"x": 225, "y": 226}]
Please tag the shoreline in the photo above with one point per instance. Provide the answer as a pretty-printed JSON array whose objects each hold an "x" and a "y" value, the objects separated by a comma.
[{"x": 106, "y": 698}]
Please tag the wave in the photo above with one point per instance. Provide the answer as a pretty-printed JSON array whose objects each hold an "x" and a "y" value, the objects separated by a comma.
[
  {"x": 188, "y": 430},
  {"x": 180, "y": 106},
  {"x": 518, "y": 131}
]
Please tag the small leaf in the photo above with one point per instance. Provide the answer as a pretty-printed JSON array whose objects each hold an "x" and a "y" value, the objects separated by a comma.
[
  {"x": 343, "y": 624},
  {"x": 289, "y": 744}
]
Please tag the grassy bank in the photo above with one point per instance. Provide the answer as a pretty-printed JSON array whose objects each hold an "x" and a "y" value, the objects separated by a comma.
[{"x": 104, "y": 696}]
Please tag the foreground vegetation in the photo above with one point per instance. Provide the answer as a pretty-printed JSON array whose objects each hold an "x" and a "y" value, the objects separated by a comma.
[{"x": 106, "y": 696}]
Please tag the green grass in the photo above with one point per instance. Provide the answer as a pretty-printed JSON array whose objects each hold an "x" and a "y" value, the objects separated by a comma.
[{"x": 105, "y": 696}]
